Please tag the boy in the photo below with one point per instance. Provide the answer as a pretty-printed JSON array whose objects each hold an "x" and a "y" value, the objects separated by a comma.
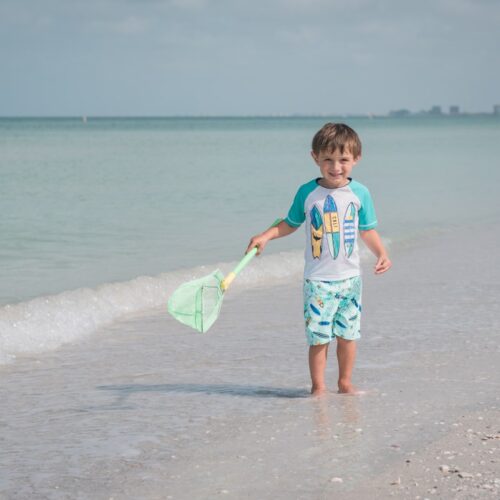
[{"x": 334, "y": 207}]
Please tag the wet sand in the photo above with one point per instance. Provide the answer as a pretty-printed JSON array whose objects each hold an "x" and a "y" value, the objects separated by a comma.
[{"x": 147, "y": 409}]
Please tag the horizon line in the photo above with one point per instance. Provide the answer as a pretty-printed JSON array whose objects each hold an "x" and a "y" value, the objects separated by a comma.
[{"x": 418, "y": 114}]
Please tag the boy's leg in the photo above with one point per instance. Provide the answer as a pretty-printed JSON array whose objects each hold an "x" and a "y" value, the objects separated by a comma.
[
  {"x": 346, "y": 355},
  {"x": 317, "y": 364}
]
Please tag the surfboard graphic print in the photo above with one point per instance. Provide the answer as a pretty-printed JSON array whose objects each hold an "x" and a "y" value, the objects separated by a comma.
[
  {"x": 332, "y": 227},
  {"x": 316, "y": 232},
  {"x": 349, "y": 229}
]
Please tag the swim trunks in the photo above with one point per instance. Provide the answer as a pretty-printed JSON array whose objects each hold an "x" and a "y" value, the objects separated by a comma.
[{"x": 332, "y": 309}]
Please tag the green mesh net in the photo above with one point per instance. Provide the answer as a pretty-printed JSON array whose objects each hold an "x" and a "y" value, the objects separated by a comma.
[{"x": 197, "y": 303}]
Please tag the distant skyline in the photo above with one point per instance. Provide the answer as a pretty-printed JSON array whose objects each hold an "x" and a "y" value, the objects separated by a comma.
[
  {"x": 223, "y": 57},
  {"x": 400, "y": 112}
]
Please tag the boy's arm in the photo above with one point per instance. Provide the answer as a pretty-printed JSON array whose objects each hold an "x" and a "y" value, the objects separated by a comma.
[
  {"x": 374, "y": 243},
  {"x": 260, "y": 240}
]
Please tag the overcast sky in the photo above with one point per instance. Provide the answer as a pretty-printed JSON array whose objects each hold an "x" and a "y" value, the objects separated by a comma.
[{"x": 260, "y": 57}]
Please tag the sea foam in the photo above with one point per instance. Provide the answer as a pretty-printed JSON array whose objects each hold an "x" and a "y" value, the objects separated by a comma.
[{"x": 46, "y": 323}]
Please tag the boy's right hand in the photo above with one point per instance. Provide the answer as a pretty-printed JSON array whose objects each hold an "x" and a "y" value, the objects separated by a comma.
[
  {"x": 275, "y": 231},
  {"x": 258, "y": 241}
]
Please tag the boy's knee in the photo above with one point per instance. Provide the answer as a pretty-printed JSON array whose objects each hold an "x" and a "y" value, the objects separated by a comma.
[
  {"x": 319, "y": 347},
  {"x": 342, "y": 340}
]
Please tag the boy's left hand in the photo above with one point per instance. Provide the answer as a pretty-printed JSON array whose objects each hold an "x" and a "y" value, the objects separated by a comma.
[{"x": 383, "y": 264}]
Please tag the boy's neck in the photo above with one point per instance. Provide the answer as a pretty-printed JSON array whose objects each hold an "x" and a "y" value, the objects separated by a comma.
[{"x": 321, "y": 182}]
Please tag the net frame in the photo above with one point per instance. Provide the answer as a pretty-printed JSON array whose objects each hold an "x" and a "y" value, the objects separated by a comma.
[{"x": 197, "y": 303}]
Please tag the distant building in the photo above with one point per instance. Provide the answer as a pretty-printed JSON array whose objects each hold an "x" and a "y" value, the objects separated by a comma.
[
  {"x": 496, "y": 109},
  {"x": 454, "y": 110},
  {"x": 398, "y": 113},
  {"x": 435, "y": 110}
]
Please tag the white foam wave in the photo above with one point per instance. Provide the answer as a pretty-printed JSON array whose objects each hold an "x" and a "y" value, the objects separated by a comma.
[{"x": 45, "y": 323}]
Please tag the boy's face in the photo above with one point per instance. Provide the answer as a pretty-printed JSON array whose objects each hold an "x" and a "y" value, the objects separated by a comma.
[{"x": 335, "y": 167}]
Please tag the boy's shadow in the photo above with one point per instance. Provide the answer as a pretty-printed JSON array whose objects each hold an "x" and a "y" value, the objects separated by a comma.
[{"x": 252, "y": 391}]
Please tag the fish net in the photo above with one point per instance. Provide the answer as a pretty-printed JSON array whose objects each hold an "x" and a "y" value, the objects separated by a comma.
[{"x": 197, "y": 303}]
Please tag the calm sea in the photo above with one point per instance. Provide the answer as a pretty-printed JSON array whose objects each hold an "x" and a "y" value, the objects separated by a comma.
[{"x": 111, "y": 200}]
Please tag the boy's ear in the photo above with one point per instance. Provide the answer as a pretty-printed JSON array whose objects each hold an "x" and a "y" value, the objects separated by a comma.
[
  {"x": 357, "y": 159},
  {"x": 314, "y": 157}
]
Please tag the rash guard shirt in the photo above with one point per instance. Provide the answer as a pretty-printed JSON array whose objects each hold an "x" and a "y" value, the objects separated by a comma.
[{"x": 333, "y": 218}]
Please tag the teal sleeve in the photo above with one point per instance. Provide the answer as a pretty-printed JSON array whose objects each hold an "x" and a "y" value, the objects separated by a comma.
[
  {"x": 366, "y": 214},
  {"x": 297, "y": 213}
]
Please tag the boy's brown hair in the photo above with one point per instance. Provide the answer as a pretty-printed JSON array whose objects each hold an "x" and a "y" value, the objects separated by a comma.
[{"x": 333, "y": 136}]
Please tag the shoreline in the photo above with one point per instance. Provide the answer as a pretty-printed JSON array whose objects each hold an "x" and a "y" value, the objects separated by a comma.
[
  {"x": 41, "y": 324},
  {"x": 146, "y": 408}
]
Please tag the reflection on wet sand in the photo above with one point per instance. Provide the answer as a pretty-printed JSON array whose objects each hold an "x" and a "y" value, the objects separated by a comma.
[{"x": 336, "y": 415}]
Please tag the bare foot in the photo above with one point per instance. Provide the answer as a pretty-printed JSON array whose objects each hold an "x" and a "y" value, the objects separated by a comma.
[
  {"x": 348, "y": 388},
  {"x": 318, "y": 391}
]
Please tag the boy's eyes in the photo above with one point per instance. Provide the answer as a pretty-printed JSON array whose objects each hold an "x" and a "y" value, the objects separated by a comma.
[{"x": 342, "y": 160}]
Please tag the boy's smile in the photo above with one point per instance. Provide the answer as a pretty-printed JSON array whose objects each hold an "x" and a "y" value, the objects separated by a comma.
[{"x": 335, "y": 167}]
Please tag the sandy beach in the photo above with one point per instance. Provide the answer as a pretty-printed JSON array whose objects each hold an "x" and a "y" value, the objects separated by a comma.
[{"x": 148, "y": 409}]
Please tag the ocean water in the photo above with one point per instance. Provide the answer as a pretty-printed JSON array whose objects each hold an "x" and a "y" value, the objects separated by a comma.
[{"x": 105, "y": 218}]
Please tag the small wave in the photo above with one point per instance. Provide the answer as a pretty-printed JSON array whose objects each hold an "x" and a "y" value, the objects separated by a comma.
[{"x": 46, "y": 323}]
